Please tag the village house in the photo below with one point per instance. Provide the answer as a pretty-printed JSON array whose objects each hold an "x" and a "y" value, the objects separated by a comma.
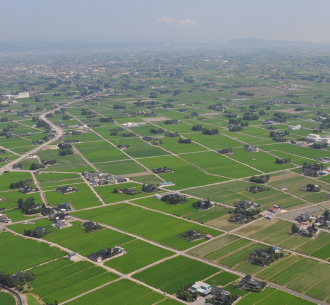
[
  {"x": 304, "y": 217},
  {"x": 248, "y": 283},
  {"x": 61, "y": 224},
  {"x": 27, "y": 189},
  {"x": 89, "y": 224},
  {"x": 202, "y": 288},
  {"x": 65, "y": 189},
  {"x": 237, "y": 218},
  {"x": 39, "y": 230},
  {"x": 105, "y": 254},
  {"x": 220, "y": 295}
]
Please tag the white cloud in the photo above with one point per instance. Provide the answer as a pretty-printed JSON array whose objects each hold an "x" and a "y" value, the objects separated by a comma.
[{"x": 178, "y": 21}]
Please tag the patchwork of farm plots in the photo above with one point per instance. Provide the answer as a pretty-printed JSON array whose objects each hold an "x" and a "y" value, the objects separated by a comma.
[{"x": 138, "y": 221}]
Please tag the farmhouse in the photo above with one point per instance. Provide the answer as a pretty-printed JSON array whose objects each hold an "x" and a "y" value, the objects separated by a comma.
[
  {"x": 39, "y": 230},
  {"x": 256, "y": 189},
  {"x": 274, "y": 209},
  {"x": 147, "y": 138},
  {"x": 191, "y": 235},
  {"x": 220, "y": 295},
  {"x": 61, "y": 224},
  {"x": 161, "y": 170},
  {"x": 248, "y": 283},
  {"x": 59, "y": 216},
  {"x": 27, "y": 189},
  {"x": 203, "y": 204},
  {"x": 237, "y": 218},
  {"x": 34, "y": 207},
  {"x": 304, "y": 217},
  {"x": 105, "y": 254},
  {"x": 202, "y": 288},
  {"x": 65, "y": 189}
]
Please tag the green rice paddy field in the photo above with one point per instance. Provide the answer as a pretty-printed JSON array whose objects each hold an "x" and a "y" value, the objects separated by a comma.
[{"x": 138, "y": 221}]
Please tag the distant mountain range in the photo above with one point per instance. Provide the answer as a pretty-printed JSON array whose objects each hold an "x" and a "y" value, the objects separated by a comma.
[{"x": 35, "y": 46}]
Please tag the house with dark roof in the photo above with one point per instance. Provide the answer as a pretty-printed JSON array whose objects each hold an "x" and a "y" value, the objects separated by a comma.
[
  {"x": 34, "y": 207},
  {"x": 237, "y": 218},
  {"x": 64, "y": 189},
  {"x": 248, "y": 283},
  {"x": 39, "y": 230},
  {"x": 89, "y": 224}
]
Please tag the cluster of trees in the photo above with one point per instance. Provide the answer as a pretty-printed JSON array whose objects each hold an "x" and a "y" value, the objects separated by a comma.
[
  {"x": 313, "y": 187},
  {"x": 280, "y": 117},
  {"x": 319, "y": 145},
  {"x": 174, "y": 198},
  {"x": 66, "y": 117},
  {"x": 148, "y": 188},
  {"x": 155, "y": 131},
  {"x": 42, "y": 124},
  {"x": 279, "y": 136},
  {"x": 197, "y": 127},
  {"x": 225, "y": 151},
  {"x": 250, "y": 117},
  {"x": 106, "y": 120},
  {"x": 202, "y": 205},
  {"x": 24, "y": 205},
  {"x": 171, "y": 134},
  {"x": 238, "y": 122},
  {"x": 261, "y": 179},
  {"x": 171, "y": 122},
  {"x": 86, "y": 111},
  {"x": 271, "y": 127},
  {"x": 153, "y": 95},
  {"x": 65, "y": 152},
  {"x": 282, "y": 161},
  {"x": 185, "y": 295},
  {"x": 245, "y": 93},
  {"x": 216, "y": 107},
  {"x": 33, "y": 233},
  {"x": 184, "y": 141},
  {"x": 128, "y": 134},
  {"x": 89, "y": 229},
  {"x": 313, "y": 166},
  {"x": 294, "y": 228},
  {"x": 210, "y": 131},
  {"x": 65, "y": 149},
  {"x": 261, "y": 261},
  {"x": 24, "y": 278},
  {"x": 168, "y": 105},
  {"x": 35, "y": 166},
  {"x": 121, "y": 146},
  {"x": 18, "y": 185},
  {"x": 299, "y": 109},
  {"x": 116, "y": 106}
]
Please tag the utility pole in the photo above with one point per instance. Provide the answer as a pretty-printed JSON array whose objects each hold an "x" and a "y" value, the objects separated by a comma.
[{"x": 284, "y": 181}]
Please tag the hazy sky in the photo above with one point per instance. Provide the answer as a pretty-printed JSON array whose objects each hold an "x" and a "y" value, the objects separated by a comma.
[{"x": 164, "y": 20}]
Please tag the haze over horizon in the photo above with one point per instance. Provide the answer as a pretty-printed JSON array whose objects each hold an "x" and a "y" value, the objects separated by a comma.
[{"x": 173, "y": 21}]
